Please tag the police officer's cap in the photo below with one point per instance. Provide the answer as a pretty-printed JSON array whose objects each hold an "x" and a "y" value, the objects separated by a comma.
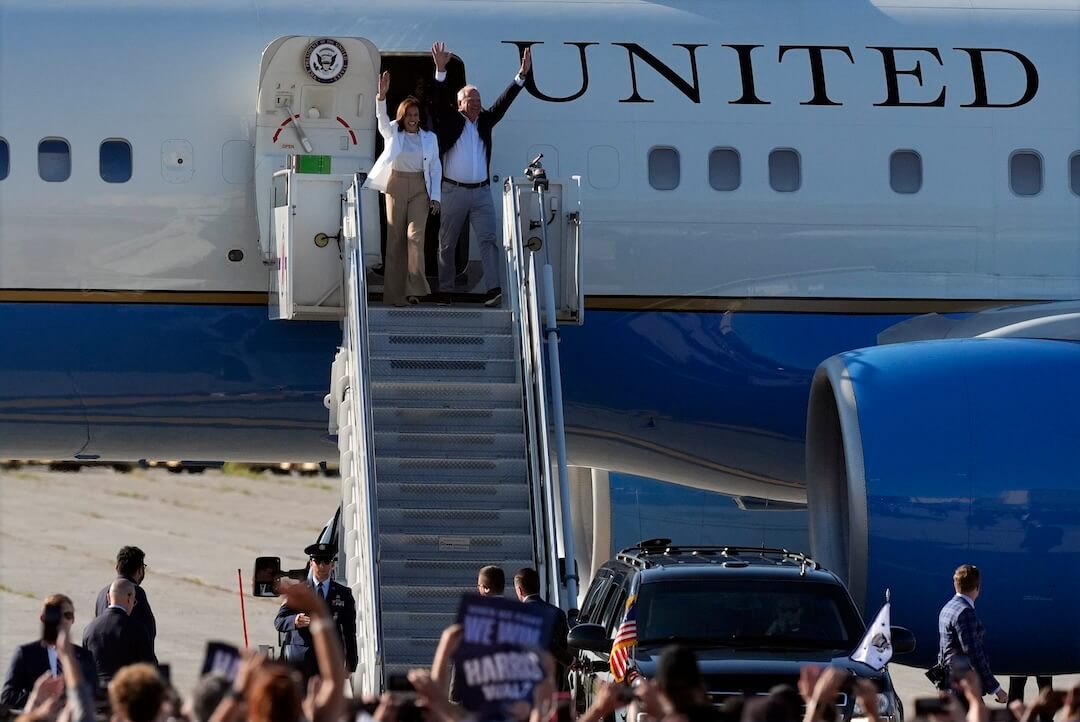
[{"x": 321, "y": 550}]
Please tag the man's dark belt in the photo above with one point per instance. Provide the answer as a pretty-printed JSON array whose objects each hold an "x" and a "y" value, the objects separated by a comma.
[{"x": 453, "y": 182}]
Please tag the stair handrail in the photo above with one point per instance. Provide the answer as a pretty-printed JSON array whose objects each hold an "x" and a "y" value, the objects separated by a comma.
[
  {"x": 362, "y": 461},
  {"x": 524, "y": 303}
]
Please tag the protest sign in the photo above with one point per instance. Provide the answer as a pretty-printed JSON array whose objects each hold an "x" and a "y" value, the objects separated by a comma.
[{"x": 499, "y": 658}]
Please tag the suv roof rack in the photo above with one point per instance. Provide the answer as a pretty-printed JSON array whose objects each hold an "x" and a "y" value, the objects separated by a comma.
[{"x": 654, "y": 552}]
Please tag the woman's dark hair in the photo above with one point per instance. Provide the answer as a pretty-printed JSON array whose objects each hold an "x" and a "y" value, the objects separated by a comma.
[{"x": 403, "y": 108}]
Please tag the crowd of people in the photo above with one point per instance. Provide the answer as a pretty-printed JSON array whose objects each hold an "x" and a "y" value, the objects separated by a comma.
[{"x": 115, "y": 675}]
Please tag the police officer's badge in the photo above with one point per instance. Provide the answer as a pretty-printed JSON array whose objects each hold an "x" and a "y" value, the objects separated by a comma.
[{"x": 326, "y": 60}]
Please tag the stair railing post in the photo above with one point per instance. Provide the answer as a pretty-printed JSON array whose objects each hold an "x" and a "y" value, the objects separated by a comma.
[{"x": 536, "y": 173}]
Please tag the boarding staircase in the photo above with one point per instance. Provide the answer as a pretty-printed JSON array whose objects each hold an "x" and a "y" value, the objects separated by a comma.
[
  {"x": 445, "y": 419},
  {"x": 451, "y": 464}
]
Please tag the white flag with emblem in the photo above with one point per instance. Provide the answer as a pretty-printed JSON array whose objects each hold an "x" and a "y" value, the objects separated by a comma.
[{"x": 875, "y": 649}]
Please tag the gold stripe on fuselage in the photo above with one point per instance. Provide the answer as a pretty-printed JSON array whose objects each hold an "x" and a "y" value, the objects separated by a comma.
[{"x": 692, "y": 304}]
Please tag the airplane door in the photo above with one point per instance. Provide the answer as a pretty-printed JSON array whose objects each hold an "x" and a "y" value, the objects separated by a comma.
[{"x": 316, "y": 113}]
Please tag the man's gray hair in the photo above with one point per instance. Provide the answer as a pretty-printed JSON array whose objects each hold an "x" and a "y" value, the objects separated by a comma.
[{"x": 461, "y": 93}]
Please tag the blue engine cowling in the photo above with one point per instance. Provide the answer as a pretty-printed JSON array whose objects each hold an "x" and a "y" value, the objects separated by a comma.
[{"x": 923, "y": 456}]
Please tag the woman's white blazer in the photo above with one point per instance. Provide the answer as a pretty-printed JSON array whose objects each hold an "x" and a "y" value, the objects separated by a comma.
[{"x": 380, "y": 172}]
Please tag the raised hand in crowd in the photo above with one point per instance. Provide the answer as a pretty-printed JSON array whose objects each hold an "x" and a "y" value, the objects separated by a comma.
[
  {"x": 1045, "y": 706},
  {"x": 432, "y": 697},
  {"x": 1072, "y": 704},
  {"x": 80, "y": 692},
  {"x": 826, "y": 686},
  {"x": 328, "y": 705},
  {"x": 609, "y": 699},
  {"x": 46, "y": 698},
  {"x": 866, "y": 693},
  {"x": 231, "y": 707},
  {"x": 384, "y": 85},
  {"x": 971, "y": 688},
  {"x": 444, "y": 657}
]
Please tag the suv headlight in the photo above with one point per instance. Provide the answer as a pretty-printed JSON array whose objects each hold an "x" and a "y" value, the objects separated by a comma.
[{"x": 884, "y": 706}]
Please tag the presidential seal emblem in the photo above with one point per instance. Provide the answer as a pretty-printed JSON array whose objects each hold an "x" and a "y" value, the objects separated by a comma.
[{"x": 326, "y": 60}]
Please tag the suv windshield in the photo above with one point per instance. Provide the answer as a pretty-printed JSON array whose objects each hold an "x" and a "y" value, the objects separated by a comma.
[{"x": 774, "y": 613}]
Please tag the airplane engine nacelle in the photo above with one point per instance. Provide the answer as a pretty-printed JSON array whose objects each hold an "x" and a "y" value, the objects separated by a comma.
[{"x": 924, "y": 456}]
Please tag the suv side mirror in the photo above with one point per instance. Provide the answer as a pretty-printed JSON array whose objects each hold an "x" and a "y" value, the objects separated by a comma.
[
  {"x": 589, "y": 638},
  {"x": 903, "y": 640},
  {"x": 265, "y": 577},
  {"x": 269, "y": 580}
]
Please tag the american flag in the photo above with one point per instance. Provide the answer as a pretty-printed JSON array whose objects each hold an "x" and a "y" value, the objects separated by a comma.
[{"x": 625, "y": 641}]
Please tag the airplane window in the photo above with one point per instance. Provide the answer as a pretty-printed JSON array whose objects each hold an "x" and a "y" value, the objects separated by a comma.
[
  {"x": 664, "y": 168},
  {"x": 4, "y": 159},
  {"x": 725, "y": 173},
  {"x": 1074, "y": 173},
  {"x": 115, "y": 161},
  {"x": 1025, "y": 173},
  {"x": 54, "y": 160},
  {"x": 905, "y": 171},
  {"x": 784, "y": 172}
]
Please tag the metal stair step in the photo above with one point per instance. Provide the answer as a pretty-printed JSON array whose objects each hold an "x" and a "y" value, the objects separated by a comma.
[
  {"x": 449, "y": 446},
  {"x": 436, "y": 369},
  {"x": 399, "y": 344},
  {"x": 453, "y": 521},
  {"x": 416, "y": 624},
  {"x": 408, "y": 650},
  {"x": 412, "y": 469},
  {"x": 438, "y": 494},
  {"x": 425, "y": 598},
  {"x": 462, "y": 394},
  {"x": 483, "y": 548},
  {"x": 435, "y": 320},
  {"x": 447, "y": 420},
  {"x": 449, "y": 572}
]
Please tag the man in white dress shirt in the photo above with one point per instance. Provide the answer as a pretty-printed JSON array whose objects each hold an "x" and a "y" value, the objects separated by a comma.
[{"x": 465, "y": 145}]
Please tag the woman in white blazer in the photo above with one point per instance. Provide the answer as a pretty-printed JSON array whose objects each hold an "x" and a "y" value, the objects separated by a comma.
[{"x": 410, "y": 174}]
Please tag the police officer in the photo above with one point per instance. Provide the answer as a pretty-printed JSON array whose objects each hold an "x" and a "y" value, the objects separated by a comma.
[{"x": 298, "y": 648}]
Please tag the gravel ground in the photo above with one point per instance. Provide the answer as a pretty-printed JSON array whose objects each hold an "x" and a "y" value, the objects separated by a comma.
[{"x": 59, "y": 532}]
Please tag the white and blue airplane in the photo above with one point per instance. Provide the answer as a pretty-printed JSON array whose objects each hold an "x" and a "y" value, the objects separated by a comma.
[{"x": 831, "y": 257}]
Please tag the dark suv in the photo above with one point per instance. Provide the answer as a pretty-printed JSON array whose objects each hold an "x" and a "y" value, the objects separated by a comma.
[{"x": 753, "y": 615}]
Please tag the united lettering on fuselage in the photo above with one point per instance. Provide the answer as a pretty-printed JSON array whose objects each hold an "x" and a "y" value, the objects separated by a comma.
[{"x": 898, "y": 64}]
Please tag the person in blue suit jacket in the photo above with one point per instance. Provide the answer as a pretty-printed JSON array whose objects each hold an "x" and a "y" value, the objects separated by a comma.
[
  {"x": 961, "y": 633},
  {"x": 297, "y": 646},
  {"x": 32, "y": 660}
]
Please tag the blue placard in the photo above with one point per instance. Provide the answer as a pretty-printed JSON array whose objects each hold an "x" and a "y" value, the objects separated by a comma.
[{"x": 499, "y": 661}]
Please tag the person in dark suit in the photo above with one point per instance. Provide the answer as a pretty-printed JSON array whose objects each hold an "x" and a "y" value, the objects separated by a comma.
[
  {"x": 115, "y": 638},
  {"x": 465, "y": 144},
  {"x": 32, "y": 660},
  {"x": 527, "y": 588},
  {"x": 961, "y": 633},
  {"x": 298, "y": 648},
  {"x": 131, "y": 565}
]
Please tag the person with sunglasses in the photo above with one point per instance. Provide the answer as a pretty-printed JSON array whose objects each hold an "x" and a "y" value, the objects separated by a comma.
[
  {"x": 296, "y": 625},
  {"x": 30, "y": 661}
]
